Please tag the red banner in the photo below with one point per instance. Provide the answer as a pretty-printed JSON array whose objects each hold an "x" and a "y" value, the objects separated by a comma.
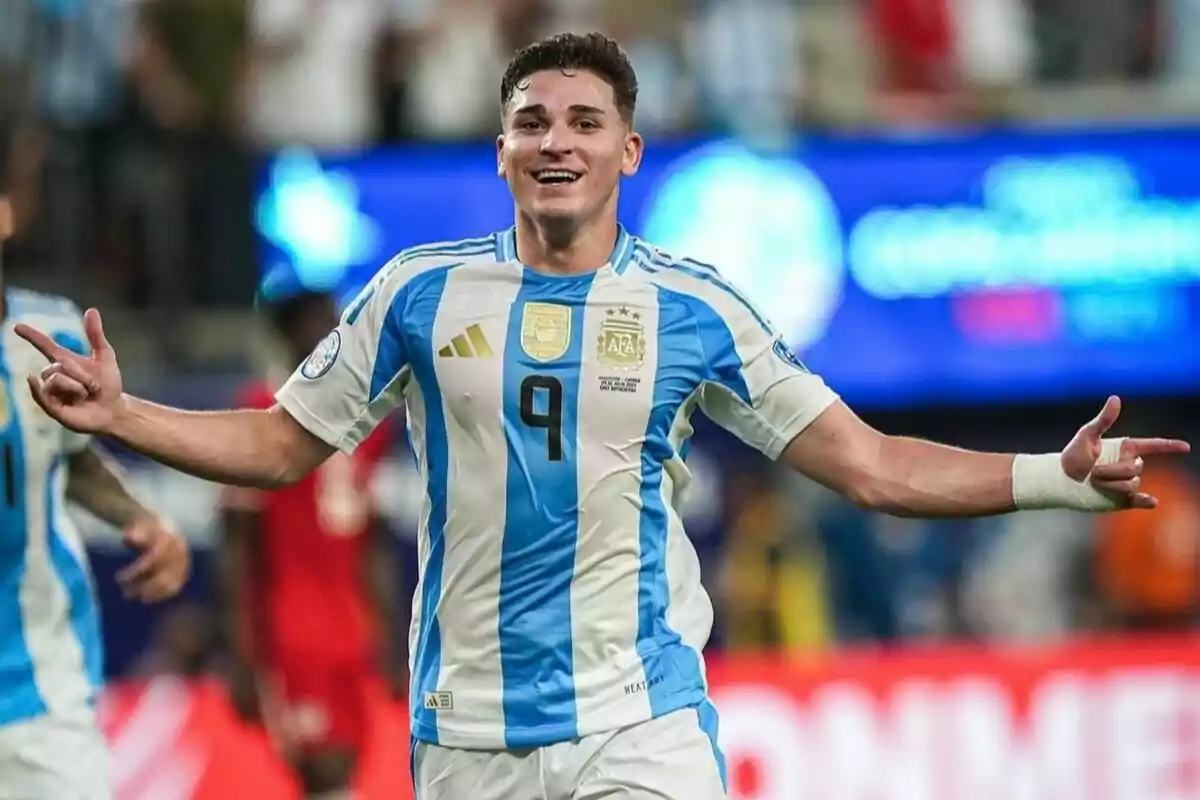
[{"x": 1102, "y": 721}]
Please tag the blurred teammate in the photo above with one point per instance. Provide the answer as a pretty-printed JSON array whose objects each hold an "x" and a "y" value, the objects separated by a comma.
[
  {"x": 305, "y": 584},
  {"x": 51, "y": 657},
  {"x": 549, "y": 372}
]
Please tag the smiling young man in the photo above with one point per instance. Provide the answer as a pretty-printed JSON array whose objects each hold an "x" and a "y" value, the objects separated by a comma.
[{"x": 549, "y": 374}]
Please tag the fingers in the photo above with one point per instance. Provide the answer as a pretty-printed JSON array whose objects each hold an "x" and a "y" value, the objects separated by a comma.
[
  {"x": 94, "y": 327},
  {"x": 1154, "y": 447},
  {"x": 161, "y": 570},
  {"x": 51, "y": 349},
  {"x": 1127, "y": 487},
  {"x": 1106, "y": 418},
  {"x": 40, "y": 396},
  {"x": 73, "y": 376},
  {"x": 1120, "y": 471},
  {"x": 65, "y": 390},
  {"x": 1143, "y": 501}
]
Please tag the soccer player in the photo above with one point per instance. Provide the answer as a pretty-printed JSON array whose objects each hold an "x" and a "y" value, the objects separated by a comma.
[
  {"x": 549, "y": 373},
  {"x": 51, "y": 661},
  {"x": 305, "y": 581}
]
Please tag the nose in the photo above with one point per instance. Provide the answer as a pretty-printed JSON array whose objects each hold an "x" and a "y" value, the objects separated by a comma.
[{"x": 557, "y": 141}]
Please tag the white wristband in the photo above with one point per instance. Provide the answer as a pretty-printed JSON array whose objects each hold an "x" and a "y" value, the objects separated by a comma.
[{"x": 1039, "y": 482}]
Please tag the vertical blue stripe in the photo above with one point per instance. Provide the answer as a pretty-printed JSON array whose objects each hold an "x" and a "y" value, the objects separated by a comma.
[
  {"x": 391, "y": 353},
  {"x": 413, "y": 321},
  {"x": 710, "y": 724},
  {"x": 399, "y": 326},
  {"x": 85, "y": 619},
  {"x": 541, "y": 527},
  {"x": 672, "y": 669},
  {"x": 720, "y": 350},
  {"x": 19, "y": 696}
]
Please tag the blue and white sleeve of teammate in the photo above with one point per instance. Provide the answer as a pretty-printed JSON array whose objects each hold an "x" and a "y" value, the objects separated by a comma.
[
  {"x": 757, "y": 388},
  {"x": 356, "y": 376}
]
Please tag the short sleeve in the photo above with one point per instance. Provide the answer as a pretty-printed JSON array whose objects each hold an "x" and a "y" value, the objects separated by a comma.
[
  {"x": 757, "y": 388},
  {"x": 355, "y": 377}
]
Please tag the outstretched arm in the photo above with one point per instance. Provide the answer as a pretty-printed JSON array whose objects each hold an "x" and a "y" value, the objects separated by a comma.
[
  {"x": 347, "y": 386},
  {"x": 759, "y": 390},
  {"x": 249, "y": 448},
  {"x": 262, "y": 449},
  {"x": 910, "y": 477}
]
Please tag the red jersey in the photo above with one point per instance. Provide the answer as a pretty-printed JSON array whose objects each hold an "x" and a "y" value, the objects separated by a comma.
[
  {"x": 915, "y": 41},
  {"x": 308, "y": 585}
]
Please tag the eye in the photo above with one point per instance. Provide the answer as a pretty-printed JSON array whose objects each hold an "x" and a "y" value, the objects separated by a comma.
[
  {"x": 588, "y": 124},
  {"x": 529, "y": 125}
]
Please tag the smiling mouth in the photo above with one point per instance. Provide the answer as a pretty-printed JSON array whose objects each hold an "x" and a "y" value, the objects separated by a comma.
[{"x": 555, "y": 177}]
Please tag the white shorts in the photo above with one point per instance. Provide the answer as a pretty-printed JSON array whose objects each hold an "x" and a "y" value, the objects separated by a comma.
[
  {"x": 45, "y": 758},
  {"x": 674, "y": 757}
]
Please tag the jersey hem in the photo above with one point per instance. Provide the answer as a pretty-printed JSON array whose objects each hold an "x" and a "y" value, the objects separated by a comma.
[{"x": 548, "y": 735}]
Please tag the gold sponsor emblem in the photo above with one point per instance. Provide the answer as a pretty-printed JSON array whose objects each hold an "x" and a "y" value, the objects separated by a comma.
[
  {"x": 622, "y": 342},
  {"x": 471, "y": 343},
  {"x": 4, "y": 410},
  {"x": 545, "y": 330}
]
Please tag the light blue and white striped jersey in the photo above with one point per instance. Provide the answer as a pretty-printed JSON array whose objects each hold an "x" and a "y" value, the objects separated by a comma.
[
  {"x": 51, "y": 654},
  {"x": 558, "y": 594}
]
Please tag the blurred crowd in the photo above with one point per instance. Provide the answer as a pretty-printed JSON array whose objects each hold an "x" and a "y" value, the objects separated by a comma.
[
  {"x": 140, "y": 120},
  {"x": 139, "y": 130}
]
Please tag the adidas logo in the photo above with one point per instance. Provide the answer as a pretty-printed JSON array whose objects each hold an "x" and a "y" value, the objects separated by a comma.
[
  {"x": 469, "y": 344},
  {"x": 439, "y": 701}
]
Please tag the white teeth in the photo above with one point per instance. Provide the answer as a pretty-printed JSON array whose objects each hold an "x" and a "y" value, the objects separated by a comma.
[{"x": 550, "y": 175}]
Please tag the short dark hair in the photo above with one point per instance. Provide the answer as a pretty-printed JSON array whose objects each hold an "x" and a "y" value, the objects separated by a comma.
[{"x": 573, "y": 51}]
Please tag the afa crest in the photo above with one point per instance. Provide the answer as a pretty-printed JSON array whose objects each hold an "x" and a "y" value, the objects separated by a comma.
[
  {"x": 545, "y": 330},
  {"x": 622, "y": 341}
]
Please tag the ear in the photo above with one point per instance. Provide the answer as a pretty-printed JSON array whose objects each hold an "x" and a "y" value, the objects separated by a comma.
[
  {"x": 500, "y": 155},
  {"x": 632, "y": 160}
]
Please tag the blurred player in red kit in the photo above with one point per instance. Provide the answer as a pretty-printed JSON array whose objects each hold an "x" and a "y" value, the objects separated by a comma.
[{"x": 306, "y": 587}]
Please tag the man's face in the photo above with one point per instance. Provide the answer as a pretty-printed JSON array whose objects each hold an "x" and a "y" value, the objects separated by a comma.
[{"x": 565, "y": 146}]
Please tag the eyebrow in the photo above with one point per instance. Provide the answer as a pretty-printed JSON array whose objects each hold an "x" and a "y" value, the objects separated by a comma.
[{"x": 578, "y": 108}]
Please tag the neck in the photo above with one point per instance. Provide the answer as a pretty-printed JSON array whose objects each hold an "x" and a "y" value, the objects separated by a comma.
[{"x": 574, "y": 251}]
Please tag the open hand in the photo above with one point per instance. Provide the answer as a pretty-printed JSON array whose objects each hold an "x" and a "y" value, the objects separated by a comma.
[
  {"x": 1123, "y": 478},
  {"x": 163, "y": 566},
  {"x": 83, "y": 393}
]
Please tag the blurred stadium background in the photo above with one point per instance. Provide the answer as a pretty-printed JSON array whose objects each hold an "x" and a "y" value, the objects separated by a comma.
[{"x": 975, "y": 217}]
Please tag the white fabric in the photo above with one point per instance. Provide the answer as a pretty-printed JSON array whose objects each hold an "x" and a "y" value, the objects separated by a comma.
[
  {"x": 669, "y": 758},
  {"x": 313, "y": 75},
  {"x": 49, "y": 757},
  {"x": 1040, "y": 483},
  {"x": 503, "y": 658}
]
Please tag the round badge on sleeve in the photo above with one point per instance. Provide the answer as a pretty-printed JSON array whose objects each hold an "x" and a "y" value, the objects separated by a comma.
[{"x": 322, "y": 357}]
